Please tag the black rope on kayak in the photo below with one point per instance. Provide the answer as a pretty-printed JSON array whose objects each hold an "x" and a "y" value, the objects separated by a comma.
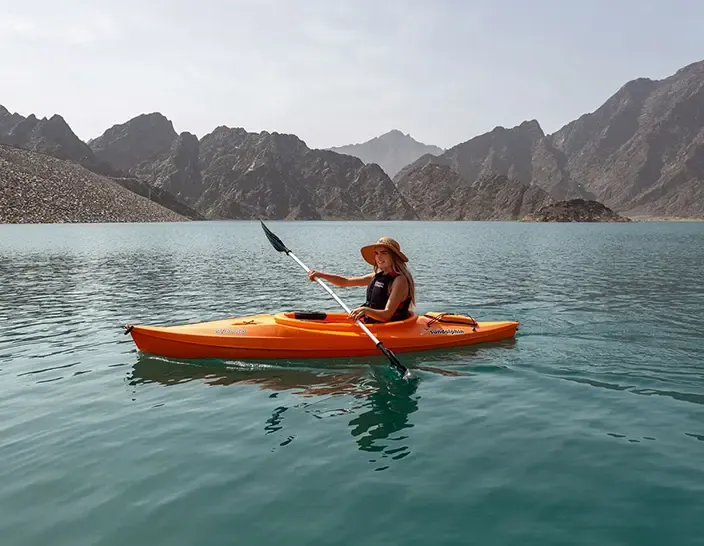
[
  {"x": 441, "y": 318},
  {"x": 128, "y": 329},
  {"x": 434, "y": 319}
]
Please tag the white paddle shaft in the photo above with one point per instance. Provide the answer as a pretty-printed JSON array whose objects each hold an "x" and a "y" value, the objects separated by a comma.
[{"x": 342, "y": 303}]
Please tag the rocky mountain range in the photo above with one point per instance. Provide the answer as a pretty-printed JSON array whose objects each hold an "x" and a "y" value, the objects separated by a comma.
[
  {"x": 272, "y": 175},
  {"x": 640, "y": 153},
  {"x": 391, "y": 151},
  {"x": 231, "y": 173},
  {"x": 521, "y": 158}
]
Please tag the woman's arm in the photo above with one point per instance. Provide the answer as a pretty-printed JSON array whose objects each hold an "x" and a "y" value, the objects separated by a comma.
[
  {"x": 339, "y": 280},
  {"x": 399, "y": 291}
]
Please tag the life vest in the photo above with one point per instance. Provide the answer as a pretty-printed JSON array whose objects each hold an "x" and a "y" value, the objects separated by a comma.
[{"x": 378, "y": 292}]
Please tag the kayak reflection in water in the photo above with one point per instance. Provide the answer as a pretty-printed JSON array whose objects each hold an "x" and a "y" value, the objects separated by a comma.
[{"x": 390, "y": 287}]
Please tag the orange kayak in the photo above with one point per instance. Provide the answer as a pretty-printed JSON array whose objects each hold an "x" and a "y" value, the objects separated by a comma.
[{"x": 313, "y": 335}]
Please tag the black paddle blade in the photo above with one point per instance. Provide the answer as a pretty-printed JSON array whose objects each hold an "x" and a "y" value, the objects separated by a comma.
[
  {"x": 392, "y": 358},
  {"x": 274, "y": 240}
]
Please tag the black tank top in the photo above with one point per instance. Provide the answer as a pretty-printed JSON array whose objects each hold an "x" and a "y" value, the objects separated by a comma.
[{"x": 378, "y": 292}]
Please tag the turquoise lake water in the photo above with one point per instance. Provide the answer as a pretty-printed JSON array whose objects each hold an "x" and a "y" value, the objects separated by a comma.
[{"x": 588, "y": 429}]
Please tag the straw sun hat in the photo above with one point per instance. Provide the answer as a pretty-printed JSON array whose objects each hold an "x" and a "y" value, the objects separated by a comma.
[{"x": 387, "y": 242}]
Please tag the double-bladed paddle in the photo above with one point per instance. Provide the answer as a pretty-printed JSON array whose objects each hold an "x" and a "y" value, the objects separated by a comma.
[{"x": 281, "y": 247}]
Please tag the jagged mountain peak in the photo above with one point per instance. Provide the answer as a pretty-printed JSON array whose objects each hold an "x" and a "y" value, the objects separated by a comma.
[{"x": 143, "y": 137}]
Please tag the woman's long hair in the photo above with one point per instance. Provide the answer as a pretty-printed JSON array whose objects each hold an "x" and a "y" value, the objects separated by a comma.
[{"x": 399, "y": 267}]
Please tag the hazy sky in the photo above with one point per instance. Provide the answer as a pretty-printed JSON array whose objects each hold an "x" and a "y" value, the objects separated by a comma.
[{"x": 333, "y": 71}]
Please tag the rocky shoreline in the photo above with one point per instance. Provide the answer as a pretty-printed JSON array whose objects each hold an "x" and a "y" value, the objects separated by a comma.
[
  {"x": 37, "y": 188},
  {"x": 666, "y": 218}
]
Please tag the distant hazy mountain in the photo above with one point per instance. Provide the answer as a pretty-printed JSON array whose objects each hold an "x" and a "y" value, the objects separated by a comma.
[{"x": 391, "y": 151}]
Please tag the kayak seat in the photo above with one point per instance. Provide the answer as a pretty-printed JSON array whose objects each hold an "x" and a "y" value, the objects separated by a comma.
[{"x": 309, "y": 315}]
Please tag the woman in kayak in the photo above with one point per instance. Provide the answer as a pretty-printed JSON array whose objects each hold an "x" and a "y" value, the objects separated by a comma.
[{"x": 390, "y": 287}]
